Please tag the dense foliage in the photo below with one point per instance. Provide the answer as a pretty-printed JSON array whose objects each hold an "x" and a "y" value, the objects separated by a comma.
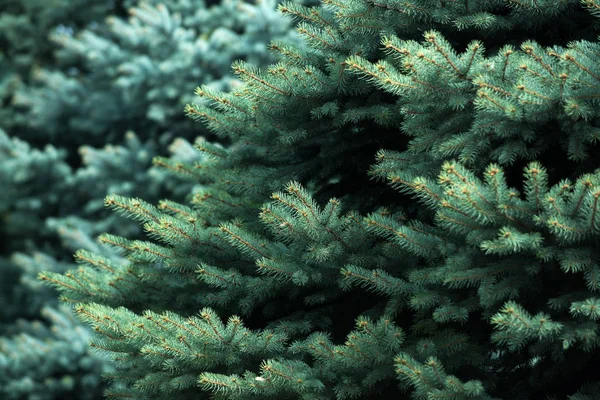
[
  {"x": 90, "y": 93},
  {"x": 409, "y": 204}
]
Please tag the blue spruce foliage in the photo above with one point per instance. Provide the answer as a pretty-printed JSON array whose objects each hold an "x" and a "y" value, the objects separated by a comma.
[
  {"x": 90, "y": 96},
  {"x": 408, "y": 207}
]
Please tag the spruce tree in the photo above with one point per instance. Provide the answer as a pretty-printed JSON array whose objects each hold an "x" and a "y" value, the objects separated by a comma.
[
  {"x": 25, "y": 45},
  {"x": 70, "y": 82},
  {"x": 407, "y": 209}
]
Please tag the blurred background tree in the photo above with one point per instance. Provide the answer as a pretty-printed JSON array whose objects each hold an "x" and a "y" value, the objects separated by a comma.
[{"x": 90, "y": 91}]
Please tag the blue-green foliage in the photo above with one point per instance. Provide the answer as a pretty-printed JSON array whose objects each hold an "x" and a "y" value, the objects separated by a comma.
[
  {"x": 33, "y": 185},
  {"x": 115, "y": 169},
  {"x": 25, "y": 26},
  {"x": 108, "y": 95},
  {"x": 296, "y": 273},
  {"x": 136, "y": 73},
  {"x": 49, "y": 360}
]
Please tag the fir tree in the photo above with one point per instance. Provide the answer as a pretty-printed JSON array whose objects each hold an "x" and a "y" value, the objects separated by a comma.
[
  {"x": 134, "y": 74},
  {"x": 69, "y": 83},
  {"x": 56, "y": 349},
  {"x": 409, "y": 205},
  {"x": 25, "y": 26},
  {"x": 43, "y": 349}
]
